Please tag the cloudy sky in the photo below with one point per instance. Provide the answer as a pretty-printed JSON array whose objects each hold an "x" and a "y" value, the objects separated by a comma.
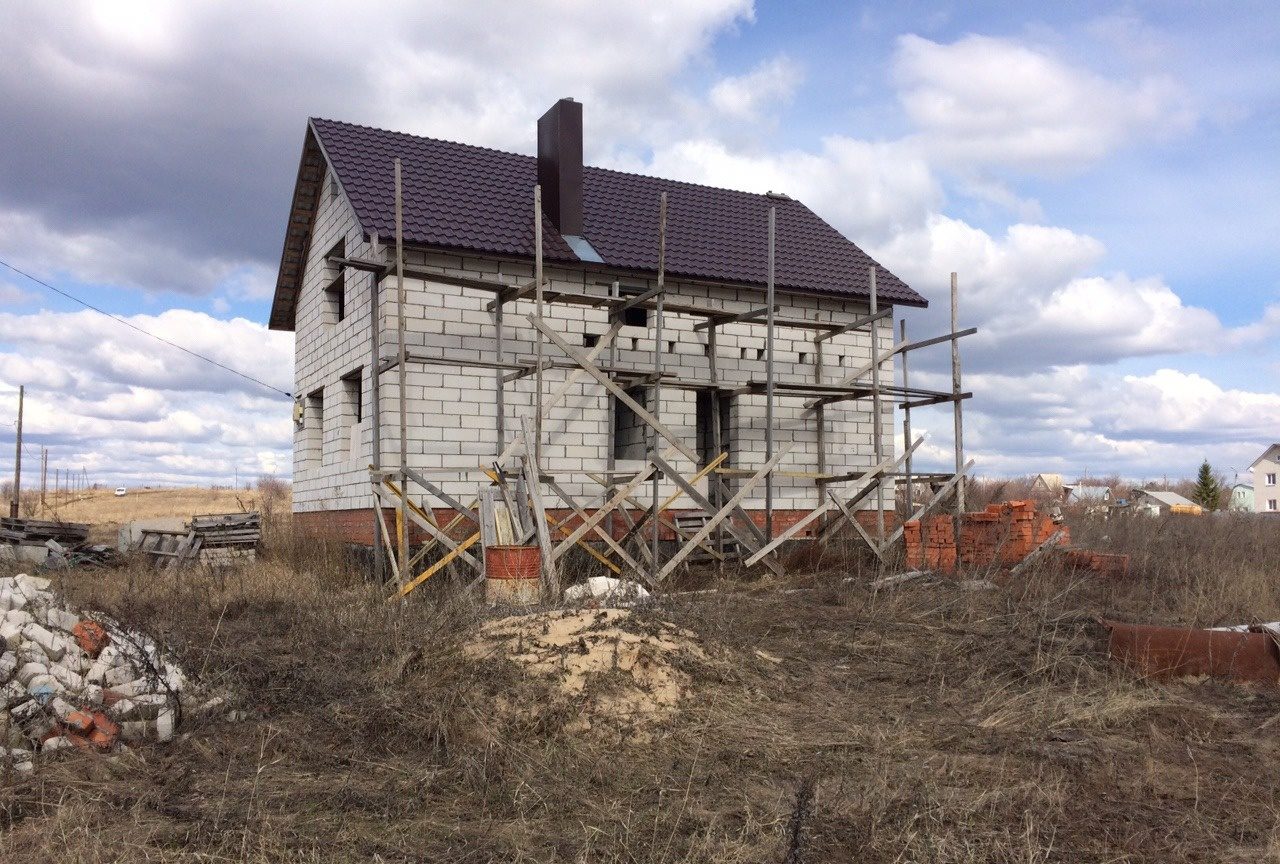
[{"x": 1105, "y": 182}]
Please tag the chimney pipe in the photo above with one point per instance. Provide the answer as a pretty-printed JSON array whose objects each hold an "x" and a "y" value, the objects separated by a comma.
[{"x": 560, "y": 165}]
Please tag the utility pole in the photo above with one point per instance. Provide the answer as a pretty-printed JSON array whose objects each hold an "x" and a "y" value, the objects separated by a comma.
[
  {"x": 44, "y": 474},
  {"x": 17, "y": 458}
]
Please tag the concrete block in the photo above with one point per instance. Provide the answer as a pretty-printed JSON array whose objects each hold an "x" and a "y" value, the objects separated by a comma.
[{"x": 52, "y": 646}]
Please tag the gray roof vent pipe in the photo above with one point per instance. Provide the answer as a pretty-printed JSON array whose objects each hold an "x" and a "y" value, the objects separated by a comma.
[{"x": 560, "y": 165}]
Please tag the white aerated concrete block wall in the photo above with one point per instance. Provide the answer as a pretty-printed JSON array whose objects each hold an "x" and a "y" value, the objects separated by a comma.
[{"x": 452, "y": 410}]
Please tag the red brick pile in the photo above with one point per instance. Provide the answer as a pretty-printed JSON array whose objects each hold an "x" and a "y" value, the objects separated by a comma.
[
  {"x": 1102, "y": 563},
  {"x": 1005, "y": 534},
  {"x": 931, "y": 544},
  {"x": 1000, "y": 536}
]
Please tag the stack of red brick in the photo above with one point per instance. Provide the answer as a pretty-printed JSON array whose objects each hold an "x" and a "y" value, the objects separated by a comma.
[
  {"x": 1005, "y": 534},
  {"x": 931, "y": 543},
  {"x": 1000, "y": 536}
]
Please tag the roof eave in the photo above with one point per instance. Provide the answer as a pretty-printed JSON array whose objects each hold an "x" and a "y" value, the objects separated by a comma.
[{"x": 613, "y": 270}]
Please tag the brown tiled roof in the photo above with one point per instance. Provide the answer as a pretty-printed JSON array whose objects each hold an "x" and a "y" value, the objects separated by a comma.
[{"x": 468, "y": 198}]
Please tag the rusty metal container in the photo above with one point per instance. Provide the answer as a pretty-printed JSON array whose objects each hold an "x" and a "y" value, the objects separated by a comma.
[{"x": 513, "y": 575}]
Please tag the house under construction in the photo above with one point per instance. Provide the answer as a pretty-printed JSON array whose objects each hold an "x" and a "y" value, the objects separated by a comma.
[{"x": 676, "y": 355}]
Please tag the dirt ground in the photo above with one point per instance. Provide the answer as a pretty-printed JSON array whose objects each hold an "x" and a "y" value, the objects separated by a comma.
[{"x": 820, "y": 719}]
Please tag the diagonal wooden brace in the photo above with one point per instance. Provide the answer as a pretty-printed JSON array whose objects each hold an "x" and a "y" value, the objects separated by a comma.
[
  {"x": 724, "y": 512},
  {"x": 932, "y": 502},
  {"x": 563, "y": 388},
  {"x": 604, "y": 509},
  {"x": 419, "y": 517},
  {"x": 594, "y": 371},
  {"x": 600, "y": 532},
  {"x": 702, "y": 501}
]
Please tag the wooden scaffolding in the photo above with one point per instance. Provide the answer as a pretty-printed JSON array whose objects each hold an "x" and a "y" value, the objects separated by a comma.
[{"x": 713, "y": 526}]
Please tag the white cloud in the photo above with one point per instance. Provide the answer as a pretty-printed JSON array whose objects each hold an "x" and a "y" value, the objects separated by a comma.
[
  {"x": 128, "y": 409},
  {"x": 1083, "y": 418},
  {"x": 867, "y": 189},
  {"x": 1037, "y": 305},
  {"x": 996, "y": 102},
  {"x": 745, "y": 97}
]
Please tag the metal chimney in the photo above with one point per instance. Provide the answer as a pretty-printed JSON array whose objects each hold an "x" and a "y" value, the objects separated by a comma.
[{"x": 560, "y": 165}]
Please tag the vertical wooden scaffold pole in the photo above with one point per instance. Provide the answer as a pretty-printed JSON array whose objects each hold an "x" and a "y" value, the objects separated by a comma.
[
  {"x": 611, "y": 457},
  {"x": 500, "y": 407},
  {"x": 820, "y": 417},
  {"x": 957, "y": 410},
  {"x": 537, "y": 291},
  {"x": 906, "y": 416},
  {"x": 717, "y": 441},
  {"x": 401, "y": 362},
  {"x": 375, "y": 410},
  {"x": 657, "y": 377},
  {"x": 768, "y": 382},
  {"x": 877, "y": 421}
]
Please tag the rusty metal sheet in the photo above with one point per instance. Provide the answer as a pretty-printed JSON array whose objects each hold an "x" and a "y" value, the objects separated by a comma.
[{"x": 1169, "y": 652}]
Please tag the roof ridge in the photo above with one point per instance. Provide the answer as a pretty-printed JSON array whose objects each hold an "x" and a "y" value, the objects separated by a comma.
[
  {"x": 771, "y": 195},
  {"x": 420, "y": 137}
]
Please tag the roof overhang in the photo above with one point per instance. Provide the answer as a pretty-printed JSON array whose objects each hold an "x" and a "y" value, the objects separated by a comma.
[{"x": 297, "y": 237}]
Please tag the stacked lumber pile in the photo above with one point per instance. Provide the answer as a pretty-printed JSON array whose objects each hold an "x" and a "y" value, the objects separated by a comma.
[
  {"x": 52, "y": 544},
  {"x": 72, "y": 681},
  {"x": 218, "y": 541},
  {"x": 38, "y": 532}
]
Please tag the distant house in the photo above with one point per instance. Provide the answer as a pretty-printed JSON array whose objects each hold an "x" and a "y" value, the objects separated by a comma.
[
  {"x": 1266, "y": 494},
  {"x": 1157, "y": 502},
  {"x": 1092, "y": 497},
  {"x": 1241, "y": 498},
  {"x": 1048, "y": 484}
]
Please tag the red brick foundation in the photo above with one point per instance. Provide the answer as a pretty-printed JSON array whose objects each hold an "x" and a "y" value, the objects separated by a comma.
[{"x": 357, "y": 526}]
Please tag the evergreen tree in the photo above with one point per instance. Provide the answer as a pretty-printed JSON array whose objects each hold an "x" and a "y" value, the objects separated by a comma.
[{"x": 1208, "y": 491}]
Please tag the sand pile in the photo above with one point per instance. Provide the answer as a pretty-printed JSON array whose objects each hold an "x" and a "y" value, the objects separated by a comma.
[{"x": 619, "y": 672}]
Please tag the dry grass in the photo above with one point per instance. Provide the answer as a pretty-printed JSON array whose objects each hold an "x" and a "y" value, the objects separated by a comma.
[
  {"x": 831, "y": 722},
  {"x": 106, "y": 512}
]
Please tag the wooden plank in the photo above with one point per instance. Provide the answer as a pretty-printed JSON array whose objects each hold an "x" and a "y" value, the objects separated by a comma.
[
  {"x": 582, "y": 544},
  {"x": 855, "y": 325},
  {"x": 1037, "y": 553},
  {"x": 569, "y": 382},
  {"x": 442, "y": 495},
  {"x": 550, "y": 577},
  {"x": 419, "y": 517},
  {"x": 852, "y": 518},
  {"x": 723, "y": 513},
  {"x": 751, "y": 315},
  {"x": 457, "y": 551},
  {"x": 608, "y": 506},
  {"x": 488, "y": 520},
  {"x": 870, "y": 478},
  {"x": 890, "y": 354},
  {"x": 600, "y": 532},
  {"x": 709, "y": 508},
  {"x": 590, "y": 368}
]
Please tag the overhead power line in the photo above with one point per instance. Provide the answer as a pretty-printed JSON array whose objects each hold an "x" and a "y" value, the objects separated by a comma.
[{"x": 148, "y": 333}]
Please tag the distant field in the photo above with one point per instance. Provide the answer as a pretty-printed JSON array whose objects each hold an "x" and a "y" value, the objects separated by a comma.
[{"x": 102, "y": 508}]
